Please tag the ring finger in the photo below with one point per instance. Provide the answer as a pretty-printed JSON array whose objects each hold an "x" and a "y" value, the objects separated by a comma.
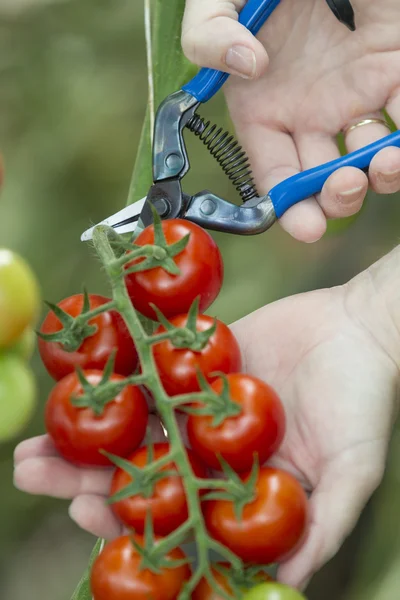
[{"x": 384, "y": 170}]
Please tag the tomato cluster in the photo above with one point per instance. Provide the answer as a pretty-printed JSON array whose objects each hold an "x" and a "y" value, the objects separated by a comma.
[
  {"x": 19, "y": 308},
  {"x": 236, "y": 423}
]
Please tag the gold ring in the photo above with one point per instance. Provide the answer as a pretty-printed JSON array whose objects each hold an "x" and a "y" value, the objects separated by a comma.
[{"x": 365, "y": 122}]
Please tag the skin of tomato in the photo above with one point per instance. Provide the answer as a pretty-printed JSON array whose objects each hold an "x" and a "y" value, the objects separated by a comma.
[
  {"x": 273, "y": 591},
  {"x": 167, "y": 504},
  {"x": 18, "y": 395},
  {"x": 116, "y": 575},
  {"x": 19, "y": 297},
  {"x": 201, "y": 272},
  {"x": 95, "y": 350},
  {"x": 259, "y": 428},
  {"x": 178, "y": 366},
  {"x": 204, "y": 591},
  {"x": 273, "y": 525},
  {"x": 78, "y": 434}
]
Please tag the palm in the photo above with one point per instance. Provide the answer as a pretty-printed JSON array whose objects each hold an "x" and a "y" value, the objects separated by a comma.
[
  {"x": 339, "y": 389},
  {"x": 338, "y": 384},
  {"x": 321, "y": 78}
]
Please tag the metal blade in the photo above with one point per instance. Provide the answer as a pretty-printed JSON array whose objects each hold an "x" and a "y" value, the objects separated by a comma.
[{"x": 123, "y": 221}]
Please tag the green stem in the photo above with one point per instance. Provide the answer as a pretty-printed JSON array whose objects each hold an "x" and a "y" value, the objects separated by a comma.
[
  {"x": 99, "y": 310},
  {"x": 165, "y": 408}
]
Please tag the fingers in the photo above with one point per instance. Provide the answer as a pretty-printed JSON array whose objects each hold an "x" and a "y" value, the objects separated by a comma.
[
  {"x": 384, "y": 172},
  {"x": 335, "y": 505},
  {"x": 40, "y": 445},
  {"x": 92, "y": 514},
  {"x": 273, "y": 156},
  {"x": 213, "y": 37},
  {"x": 53, "y": 476},
  {"x": 344, "y": 192}
]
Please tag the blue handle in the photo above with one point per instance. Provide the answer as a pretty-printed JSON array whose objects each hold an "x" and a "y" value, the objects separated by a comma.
[
  {"x": 306, "y": 184},
  {"x": 207, "y": 82}
]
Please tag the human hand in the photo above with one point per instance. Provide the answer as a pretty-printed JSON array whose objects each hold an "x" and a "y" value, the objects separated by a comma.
[
  {"x": 333, "y": 356},
  {"x": 321, "y": 79}
]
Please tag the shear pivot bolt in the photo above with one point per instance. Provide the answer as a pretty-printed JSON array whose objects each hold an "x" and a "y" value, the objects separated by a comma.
[
  {"x": 173, "y": 162},
  {"x": 208, "y": 207}
]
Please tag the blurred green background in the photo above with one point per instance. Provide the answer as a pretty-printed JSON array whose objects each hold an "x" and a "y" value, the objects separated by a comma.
[{"x": 73, "y": 92}]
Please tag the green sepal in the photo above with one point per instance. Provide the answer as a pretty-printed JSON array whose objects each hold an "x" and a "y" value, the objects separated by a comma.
[
  {"x": 219, "y": 406},
  {"x": 96, "y": 397},
  {"x": 162, "y": 252},
  {"x": 143, "y": 479},
  {"x": 148, "y": 552},
  {"x": 234, "y": 489}
]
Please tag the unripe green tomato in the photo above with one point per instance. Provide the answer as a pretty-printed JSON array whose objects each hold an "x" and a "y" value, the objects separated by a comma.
[
  {"x": 17, "y": 395},
  {"x": 19, "y": 297},
  {"x": 273, "y": 591},
  {"x": 25, "y": 345}
]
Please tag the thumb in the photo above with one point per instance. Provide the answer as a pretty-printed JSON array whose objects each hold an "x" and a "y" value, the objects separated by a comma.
[
  {"x": 335, "y": 506},
  {"x": 213, "y": 37}
]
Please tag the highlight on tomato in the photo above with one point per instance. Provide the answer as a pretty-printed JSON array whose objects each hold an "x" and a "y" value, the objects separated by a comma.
[
  {"x": 80, "y": 429},
  {"x": 271, "y": 527},
  {"x": 117, "y": 575},
  {"x": 200, "y": 272},
  {"x": 178, "y": 366},
  {"x": 273, "y": 591},
  {"x": 258, "y": 429},
  {"x": 93, "y": 353},
  {"x": 164, "y": 500}
]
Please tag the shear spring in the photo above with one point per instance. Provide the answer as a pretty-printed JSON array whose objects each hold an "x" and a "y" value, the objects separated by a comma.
[{"x": 226, "y": 150}]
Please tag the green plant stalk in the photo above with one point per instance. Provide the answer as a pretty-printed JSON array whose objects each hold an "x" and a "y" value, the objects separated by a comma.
[{"x": 144, "y": 343}]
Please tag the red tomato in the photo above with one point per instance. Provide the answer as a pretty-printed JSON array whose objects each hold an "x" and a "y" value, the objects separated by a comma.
[
  {"x": 201, "y": 272},
  {"x": 178, "y": 366},
  {"x": 259, "y": 428},
  {"x": 95, "y": 350},
  {"x": 204, "y": 591},
  {"x": 116, "y": 574},
  {"x": 167, "y": 504},
  {"x": 271, "y": 527},
  {"x": 79, "y": 434}
]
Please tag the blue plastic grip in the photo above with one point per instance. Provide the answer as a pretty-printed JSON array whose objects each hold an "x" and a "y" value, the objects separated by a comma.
[
  {"x": 306, "y": 184},
  {"x": 208, "y": 82}
]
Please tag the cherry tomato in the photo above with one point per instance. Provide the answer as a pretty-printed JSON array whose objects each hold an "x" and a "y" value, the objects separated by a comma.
[
  {"x": 273, "y": 591},
  {"x": 18, "y": 395},
  {"x": 167, "y": 503},
  {"x": 78, "y": 433},
  {"x": 95, "y": 350},
  {"x": 201, "y": 272},
  {"x": 178, "y": 366},
  {"x": 272, "y": 525},
  {"x": 116, "y": 574},
  {"x": 19, "y": 297},
  {"x": 204, "y": 591},
  {"x": 259, "y": 428}
]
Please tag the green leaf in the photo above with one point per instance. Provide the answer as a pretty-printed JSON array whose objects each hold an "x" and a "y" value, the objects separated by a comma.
[
  {"x": 170, "y": 71},
  {"x": 82, "y": 591}
]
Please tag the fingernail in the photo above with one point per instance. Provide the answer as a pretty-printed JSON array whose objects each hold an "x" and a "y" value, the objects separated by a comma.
[
  {"x": 242, "y": 60},
  {"x": 389, "y": 176},
  {"x": 350, "y": 195}
]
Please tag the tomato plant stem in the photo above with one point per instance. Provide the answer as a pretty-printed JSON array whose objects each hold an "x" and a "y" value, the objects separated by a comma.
[{"x": 165, "y": 407}]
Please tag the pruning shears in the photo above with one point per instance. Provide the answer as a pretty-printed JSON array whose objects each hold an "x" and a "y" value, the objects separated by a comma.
[{"x": 170, "y": 160}]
